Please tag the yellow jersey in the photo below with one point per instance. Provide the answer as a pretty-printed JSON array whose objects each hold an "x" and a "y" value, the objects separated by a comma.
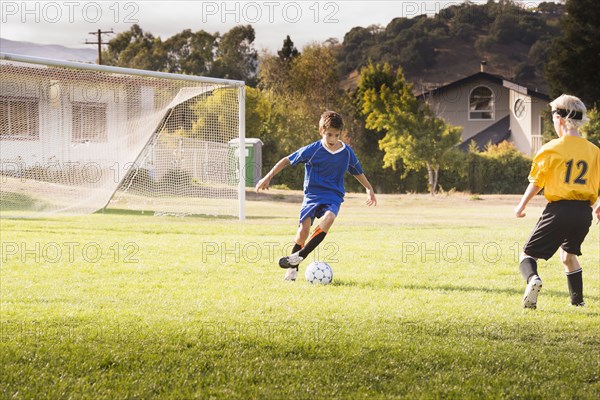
[{"x": 568, "y": 168}]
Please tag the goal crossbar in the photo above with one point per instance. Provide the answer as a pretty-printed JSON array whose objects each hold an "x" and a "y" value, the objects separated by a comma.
[{"x": 117, "y": 70}]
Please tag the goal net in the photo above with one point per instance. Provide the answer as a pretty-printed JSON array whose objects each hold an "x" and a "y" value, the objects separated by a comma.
[{"x": 78, "y": 138}]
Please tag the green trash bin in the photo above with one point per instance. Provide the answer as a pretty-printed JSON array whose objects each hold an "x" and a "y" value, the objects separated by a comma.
[{"x": 252, "y": 172}]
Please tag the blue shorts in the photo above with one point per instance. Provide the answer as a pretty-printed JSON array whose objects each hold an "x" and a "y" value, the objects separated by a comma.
[{"x": 315, "y": 209}]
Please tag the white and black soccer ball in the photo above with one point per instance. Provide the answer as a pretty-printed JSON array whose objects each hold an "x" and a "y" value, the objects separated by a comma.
[{"x": 319, "y": 273}]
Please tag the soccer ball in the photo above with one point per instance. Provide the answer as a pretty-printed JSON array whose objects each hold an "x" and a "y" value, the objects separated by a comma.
[{"x": 319, "y": 272}]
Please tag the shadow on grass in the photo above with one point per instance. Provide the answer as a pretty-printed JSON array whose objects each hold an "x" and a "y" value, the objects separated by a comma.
[
  {"x": 125, "y": 212},
  {"x": 28, "y": 219},
  {"x": 450, "y": 288},
  {"x": 283, "y": 196},
  {"x": 121, "y": 211}
]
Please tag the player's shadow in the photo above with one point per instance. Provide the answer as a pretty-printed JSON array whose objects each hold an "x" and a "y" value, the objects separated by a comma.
[
  {"x": 284, "y": 196},
  {"x": 450, "y": 288}
]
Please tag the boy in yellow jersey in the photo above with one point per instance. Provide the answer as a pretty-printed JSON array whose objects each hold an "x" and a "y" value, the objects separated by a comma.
[{"x": 568, "y": 168}]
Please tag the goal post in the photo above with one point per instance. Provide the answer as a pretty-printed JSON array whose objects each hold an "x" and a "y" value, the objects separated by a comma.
[
  {"x": 76, "y": 138},
  {"x": 242, "y": 153}
]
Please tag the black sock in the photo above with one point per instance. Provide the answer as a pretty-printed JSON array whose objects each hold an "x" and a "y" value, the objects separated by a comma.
[
  {"x": 528, "y": 267},
  {"x": 314, "y": 241},
  {"x": 575, "y": 283},
  {"x": 296, "y": 248}
]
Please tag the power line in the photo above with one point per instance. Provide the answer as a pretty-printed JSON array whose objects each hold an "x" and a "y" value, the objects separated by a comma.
[{"x": 99, "y": 33}]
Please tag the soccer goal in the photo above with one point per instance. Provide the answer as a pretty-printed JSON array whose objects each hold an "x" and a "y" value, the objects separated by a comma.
[{"x": 78, "y": 138}]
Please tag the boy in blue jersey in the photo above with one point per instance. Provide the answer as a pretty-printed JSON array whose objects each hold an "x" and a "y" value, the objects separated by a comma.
[{"x": 326, "y": 161}]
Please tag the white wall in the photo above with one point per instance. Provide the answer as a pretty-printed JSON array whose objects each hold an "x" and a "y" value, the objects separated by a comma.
[
  {"x": 55, "y": 143},
  {"x": 520, "y": 125}
]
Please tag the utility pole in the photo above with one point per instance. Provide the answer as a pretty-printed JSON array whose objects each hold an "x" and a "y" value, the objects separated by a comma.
[{"x": 99, "y": 33}]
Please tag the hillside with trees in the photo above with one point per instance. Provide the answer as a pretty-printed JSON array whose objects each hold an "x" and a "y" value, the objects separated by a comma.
[
  {"x": 431, "y": 50},
  {"x": 436, "y": 50}
]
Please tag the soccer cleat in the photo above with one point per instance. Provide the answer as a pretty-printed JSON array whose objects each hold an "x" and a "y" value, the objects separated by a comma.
[
  {"x": 582, "y": 304},
  {"x": 290, "y": 261},
  {"x": 531, "y": 293},
  {"x": 291, "y": 274}
]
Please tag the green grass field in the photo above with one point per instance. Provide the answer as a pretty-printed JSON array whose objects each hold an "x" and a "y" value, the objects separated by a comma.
[{"x": 425, "y": 303}]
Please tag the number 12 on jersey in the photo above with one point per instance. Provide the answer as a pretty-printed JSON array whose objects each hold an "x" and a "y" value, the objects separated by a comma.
[{"x": 581, "y": 167}]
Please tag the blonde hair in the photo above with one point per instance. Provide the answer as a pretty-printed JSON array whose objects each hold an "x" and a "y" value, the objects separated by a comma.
[
  {"x": 571, "y": 110},
  {"x": 331, "y": 119}
]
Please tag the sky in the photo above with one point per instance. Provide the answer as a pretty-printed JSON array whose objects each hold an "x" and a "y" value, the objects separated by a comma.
[{"x": 68, "y": 23}]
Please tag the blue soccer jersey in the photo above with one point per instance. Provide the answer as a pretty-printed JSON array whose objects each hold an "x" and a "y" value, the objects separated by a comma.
[{"x": 324, "y": 170}]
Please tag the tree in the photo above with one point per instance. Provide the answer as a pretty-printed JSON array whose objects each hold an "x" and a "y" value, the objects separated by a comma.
[
  {"x": 538, "y": 54},
  {"x": 523, "y": 71},
  {"x": 365, "y": 142},
  {"x": 309, "y": 82},
  {"x": 288, "y": 51},
  {"x": 591, "y": 130},
  {"x": 258, "y": 112},
  {"x": 136, "y": 49},
  {"x": 574, "y": 58},
  {"x": 231, "y": 56},
  {"x": 413, "y": 134},
  {"x": 236, "y": 57},
  {"x": 190, "y": 53},
  {"x": 298, "y": 90},
  {"x": 274, "y": 71},
  {"x": 550, "y": 7},
  {"x": 505, "y": 28},
  {"x": 315, "y": 79},
  {"x": 355, "y": 45}
]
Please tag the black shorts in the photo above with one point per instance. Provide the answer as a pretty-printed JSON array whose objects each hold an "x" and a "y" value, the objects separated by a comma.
[{"x": 563, "y": 224}]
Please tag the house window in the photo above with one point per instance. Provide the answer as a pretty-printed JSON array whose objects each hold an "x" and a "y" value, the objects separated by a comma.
[
  {"x": 481, "y": 104},
  {"x": 519, "y": 108},
  {"x": 19, "y": 118},
  {"x": 89, "y": 122}
]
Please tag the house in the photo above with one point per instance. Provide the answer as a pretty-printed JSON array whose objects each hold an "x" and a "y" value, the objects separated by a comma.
[
  {"x": 93, "y": 125},
  {"x": 73, "y": 135},
  {"x": 492, "y": 109},
  {"x": 54, "y": 117}
]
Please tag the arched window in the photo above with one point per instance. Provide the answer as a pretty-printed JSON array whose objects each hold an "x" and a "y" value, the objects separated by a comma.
[{"x": 481, "y": 104}]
